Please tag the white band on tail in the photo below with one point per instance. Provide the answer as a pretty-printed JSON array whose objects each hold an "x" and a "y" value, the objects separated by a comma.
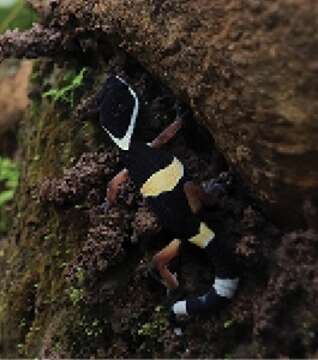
[
  {"x": 226, "y": 287},
  {"x": 179, "y": 308}
]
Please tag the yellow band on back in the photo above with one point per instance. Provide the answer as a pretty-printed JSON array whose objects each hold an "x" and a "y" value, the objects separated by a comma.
[
  {"x": 163, "y": 180},
  {"x": 203, "y": 238}
]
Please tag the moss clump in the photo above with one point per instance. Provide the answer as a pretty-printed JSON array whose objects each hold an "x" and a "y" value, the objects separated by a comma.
[
  {"x": 34, "y": 288},
  {"x": 9, "y": 178},
  {"x": 9, "y": 175},
  {"x": 156, "y": 327}
]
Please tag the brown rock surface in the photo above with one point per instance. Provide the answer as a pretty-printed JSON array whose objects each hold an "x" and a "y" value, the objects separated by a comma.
[
  {"x": 248, "y": 69},
  {"x": 76, "y": 283}
]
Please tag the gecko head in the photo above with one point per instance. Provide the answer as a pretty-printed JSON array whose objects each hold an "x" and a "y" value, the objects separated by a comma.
[{"x": 119, "y": 108}]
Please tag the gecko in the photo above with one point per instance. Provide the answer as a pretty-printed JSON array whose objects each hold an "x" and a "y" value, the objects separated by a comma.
[{"x": 171, "y": 194}]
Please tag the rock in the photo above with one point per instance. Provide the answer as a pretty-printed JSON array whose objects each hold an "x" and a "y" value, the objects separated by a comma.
[
  {"x": 249, "y": 73},
  {"x": 247, "y": 69}
]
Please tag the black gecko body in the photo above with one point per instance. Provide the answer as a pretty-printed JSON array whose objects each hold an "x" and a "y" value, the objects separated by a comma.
[
  {"x": 148, "y": 168},
  {"x": 161, "y": 177}
]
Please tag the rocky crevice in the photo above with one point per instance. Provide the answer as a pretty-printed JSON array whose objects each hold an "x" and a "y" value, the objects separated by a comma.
[
  {"x": 76, "y": 280},
  {"x": 247, "y": 70}
]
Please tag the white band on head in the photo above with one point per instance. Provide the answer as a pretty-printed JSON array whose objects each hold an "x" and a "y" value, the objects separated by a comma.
[
  {"x": 124, "y": 142},
  {"x": 226, "y": 287},
  {"x": 179, "y": 308}
]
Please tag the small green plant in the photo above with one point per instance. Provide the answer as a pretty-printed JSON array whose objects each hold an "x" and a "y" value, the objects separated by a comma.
[
  {"x": 76, "y": 295},
  {"x": 80, "y": 276},
  {"x": 23, "y": 323},
  {"x": 93, "y": 329},
  {"x": 228, "y": 323},
  {"x": 155, "y": 328},
  {"x": 66, "y": 93},
  {"x": 9, "y": 178}
]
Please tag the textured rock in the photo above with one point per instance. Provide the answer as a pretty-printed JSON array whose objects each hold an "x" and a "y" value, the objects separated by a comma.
[
  {"x": 76, "y": 283},
  {"x": 248, "y": 69}
]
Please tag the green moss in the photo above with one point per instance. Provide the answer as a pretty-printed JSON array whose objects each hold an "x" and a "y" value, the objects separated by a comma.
[
  {"x": 76, "y": 295},
  {"x": 228, "y": 323},
  {"x": 9, "y": 178},
  {"x": 18, "y": 309},
  {"x": 35, "y": 287},
  {"x": 156, "y": 327},
  {"x": 48, "y": 239}
]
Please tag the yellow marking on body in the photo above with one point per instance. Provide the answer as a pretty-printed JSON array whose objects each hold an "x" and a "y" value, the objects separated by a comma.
[
  {"x": 204, "y": 236},
  {"x": 163, "y": 180}
]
